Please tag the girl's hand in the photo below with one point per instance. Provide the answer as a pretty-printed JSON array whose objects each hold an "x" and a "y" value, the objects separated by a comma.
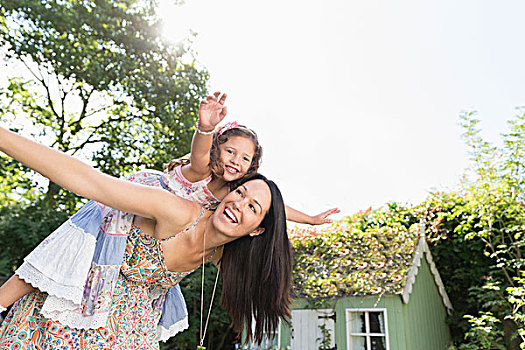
[
  {"x": 212, "y": 111},
  {"x": 322, "y": 218}
]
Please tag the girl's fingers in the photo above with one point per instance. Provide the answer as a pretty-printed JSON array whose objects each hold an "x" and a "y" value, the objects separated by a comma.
[
  {"x": 330, "y": 212},
  {"x": 334, "y": 211},
  {"x": 223, "y": 98},
  {"x": 326, "y": 214},
  {"x": 224, "y": 112}
]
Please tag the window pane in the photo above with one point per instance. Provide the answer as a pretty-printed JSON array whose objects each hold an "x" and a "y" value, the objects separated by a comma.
[
  {"x": 377, "y": 322},
  {"x": 358, "y": 322},
  {"x": 358, "y": 343},
  {"x": 378, "y": 343}
]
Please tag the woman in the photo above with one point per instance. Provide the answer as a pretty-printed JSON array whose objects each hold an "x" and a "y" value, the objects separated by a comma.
[{"x": 250, "y": 224}]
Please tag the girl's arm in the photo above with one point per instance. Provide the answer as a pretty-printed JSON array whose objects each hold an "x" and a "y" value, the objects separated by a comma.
[
  {"x": 211, "y": 112},
  {"x": 302, "y": 218},
  {"x": 12, "y": 290},
  {"x": 88, "y": 182}
]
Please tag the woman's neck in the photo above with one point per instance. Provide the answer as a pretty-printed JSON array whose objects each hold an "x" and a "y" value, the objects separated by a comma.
[{"x": 213, "y": 237}]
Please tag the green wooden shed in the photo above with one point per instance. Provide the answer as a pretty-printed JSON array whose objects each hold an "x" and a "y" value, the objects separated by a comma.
[{"x": 373, "y": 289}]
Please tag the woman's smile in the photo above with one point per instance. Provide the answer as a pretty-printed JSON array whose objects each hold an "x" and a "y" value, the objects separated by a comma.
[{"x": 230, "y": 216}]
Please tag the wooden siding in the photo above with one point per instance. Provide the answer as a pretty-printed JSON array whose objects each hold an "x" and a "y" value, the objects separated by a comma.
[
  {"x": 424, "y": 315},
  {"x": 394, "y": 315},
  {"x": 418, "y": 325},
  {"x": 305, "y": 328}
]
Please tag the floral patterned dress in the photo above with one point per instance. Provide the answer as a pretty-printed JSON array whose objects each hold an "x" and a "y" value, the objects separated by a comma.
[{"x": 136, "y": 307}]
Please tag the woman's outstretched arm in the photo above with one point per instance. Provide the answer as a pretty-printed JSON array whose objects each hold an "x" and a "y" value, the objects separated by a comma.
[{"x": 88, "y": 182}]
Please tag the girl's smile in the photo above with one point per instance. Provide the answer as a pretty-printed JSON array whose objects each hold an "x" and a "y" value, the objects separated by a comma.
[
  {"x": 236, "y": 155},
  {"x": 231, "y": 169}
]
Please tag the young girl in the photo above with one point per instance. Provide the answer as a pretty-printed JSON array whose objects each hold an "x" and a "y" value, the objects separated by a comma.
[{"x": 218, "y": 160}]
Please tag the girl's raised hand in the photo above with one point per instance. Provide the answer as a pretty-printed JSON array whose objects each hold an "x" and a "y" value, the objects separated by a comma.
[
  {"x": 323, "y": 217},
  {"x": 212, "y": 111}
]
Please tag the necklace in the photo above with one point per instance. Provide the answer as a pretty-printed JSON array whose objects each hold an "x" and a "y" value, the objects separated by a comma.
[{"x": 203, "y": 334}]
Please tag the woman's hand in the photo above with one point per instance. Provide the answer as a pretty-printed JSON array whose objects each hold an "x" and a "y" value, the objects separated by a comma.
[{"x": 212, "y": 111}]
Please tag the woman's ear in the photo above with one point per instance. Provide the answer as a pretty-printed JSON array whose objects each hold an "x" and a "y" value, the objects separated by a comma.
[{"x": 257, "y": 231}]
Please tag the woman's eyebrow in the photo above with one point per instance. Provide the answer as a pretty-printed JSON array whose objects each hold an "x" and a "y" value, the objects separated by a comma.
[{"x": 255, "y": 200}]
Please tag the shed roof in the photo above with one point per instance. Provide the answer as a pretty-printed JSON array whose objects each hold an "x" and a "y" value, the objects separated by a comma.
[{"x": 370, "y": 253}]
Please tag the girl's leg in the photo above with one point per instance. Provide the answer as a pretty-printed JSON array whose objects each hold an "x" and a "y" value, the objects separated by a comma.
[{"x": 12, "y": 290}]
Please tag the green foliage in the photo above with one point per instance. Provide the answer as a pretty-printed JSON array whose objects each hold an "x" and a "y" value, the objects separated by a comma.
[
  {"x": 22, "y": 227},
  {"x": 218, "y": 335},
  {"x": 461, "y": 263},
  {"x": 111, "y": 88},
  {"x": 483, "y": 334},
  {"x": 367, "y": 253},
  {"x": 477, "y": 236},
  {"x": 325, "y": 339}
]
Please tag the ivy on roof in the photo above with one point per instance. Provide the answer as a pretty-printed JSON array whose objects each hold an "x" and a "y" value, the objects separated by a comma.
[{"x": 368, "y": 253}]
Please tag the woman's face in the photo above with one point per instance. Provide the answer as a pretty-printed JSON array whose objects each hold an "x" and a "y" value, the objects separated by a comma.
[{"x": 243, "y": 209}]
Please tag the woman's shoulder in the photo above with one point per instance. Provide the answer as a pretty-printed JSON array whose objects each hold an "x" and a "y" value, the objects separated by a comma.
[{"x": 183, "y": 212}]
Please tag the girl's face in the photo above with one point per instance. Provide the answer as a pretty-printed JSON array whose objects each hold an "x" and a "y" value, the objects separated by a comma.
[
  {"x": 242, "y": 210},
  {"x": 236, "y": 156}
]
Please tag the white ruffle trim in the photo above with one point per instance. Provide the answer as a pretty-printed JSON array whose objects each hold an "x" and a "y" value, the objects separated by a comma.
[
  {"x": 59, "y": 265},
  {"x": 164, "y": 334},
  {"x": 2, "y": 309},
  {"x": 63, "y": 311},
  {"x": 35, "y": 277}
]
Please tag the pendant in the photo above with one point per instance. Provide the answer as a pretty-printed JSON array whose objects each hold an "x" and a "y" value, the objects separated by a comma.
[{"x": 201, "y": 347}]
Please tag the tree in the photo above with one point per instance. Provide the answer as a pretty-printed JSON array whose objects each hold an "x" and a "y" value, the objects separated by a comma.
[
  {"x": 478, "y": 239},
  {"x": 112, "y": 82}
]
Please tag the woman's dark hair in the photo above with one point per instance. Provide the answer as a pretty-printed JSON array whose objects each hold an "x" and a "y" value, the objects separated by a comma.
[{"x": 256, "y": 273}]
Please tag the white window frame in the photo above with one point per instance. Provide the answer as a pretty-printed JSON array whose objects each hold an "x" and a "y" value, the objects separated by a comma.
[{"x": 367, "y": 326}]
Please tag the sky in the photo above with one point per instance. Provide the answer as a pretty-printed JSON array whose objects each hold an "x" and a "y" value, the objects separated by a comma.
[{"x": 356, "y": 103}]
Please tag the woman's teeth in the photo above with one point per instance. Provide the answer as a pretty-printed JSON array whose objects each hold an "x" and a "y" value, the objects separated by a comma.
[{"x": 230, "y": 215}]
